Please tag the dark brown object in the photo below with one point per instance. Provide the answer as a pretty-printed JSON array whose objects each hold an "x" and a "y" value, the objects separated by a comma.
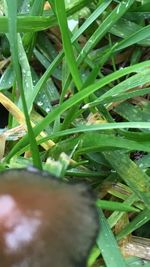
[{"x": 44, "y": 222}]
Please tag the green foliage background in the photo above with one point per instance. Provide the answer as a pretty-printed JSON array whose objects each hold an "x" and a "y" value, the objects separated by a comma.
[{"x": 84, "y": 93}]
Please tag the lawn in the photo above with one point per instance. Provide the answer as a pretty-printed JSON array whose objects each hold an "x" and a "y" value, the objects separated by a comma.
[{"x": 74, "y": 101}]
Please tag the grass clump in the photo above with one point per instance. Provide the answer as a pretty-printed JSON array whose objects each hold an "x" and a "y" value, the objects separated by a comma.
[{"x": 75, "y": 82}]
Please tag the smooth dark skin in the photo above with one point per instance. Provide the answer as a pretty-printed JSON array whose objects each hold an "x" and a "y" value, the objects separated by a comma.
[{"x": 44, "y": 222}]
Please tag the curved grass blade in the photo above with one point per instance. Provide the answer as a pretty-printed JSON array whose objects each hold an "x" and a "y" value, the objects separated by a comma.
[{"x": 77, "y": 98}]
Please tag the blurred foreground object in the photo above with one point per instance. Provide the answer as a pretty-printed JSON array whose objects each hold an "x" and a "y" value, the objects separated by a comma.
[{"x": 44, "y": 222}]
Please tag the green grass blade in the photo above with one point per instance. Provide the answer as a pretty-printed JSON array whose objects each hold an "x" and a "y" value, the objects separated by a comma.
[
  {"x": 26, "y": 76},
  {"x": 108, "y": 245},
  {"x": 12, "y": 14},
  {"x": 137, "y": 180},
  {"x": 77, "y": 98},
  {"x": 91, "y": 19},
  {"x": 142, "y": 218},
  {"x": 114, "y": 205},
  {"x": 105, "y": 26},
  {"x": 134, "y": 38},
  {"x": 68, "y": 49}
]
